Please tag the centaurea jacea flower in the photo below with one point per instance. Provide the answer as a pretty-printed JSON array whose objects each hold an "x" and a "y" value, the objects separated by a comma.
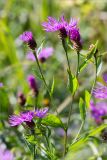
[
  {"x": 100, "y": 90},
  {"x": 33, "y": 84},
  {"x": 44, "y": 54},
  {"x": 98, "y": 110},
  {"x": 28, "y": 38},
  {"x": 27, "y": 117},
  {"x": 53, "y": 25},
  {"x": 5, "y": 154},
  {"x": 41, "y": 113}
]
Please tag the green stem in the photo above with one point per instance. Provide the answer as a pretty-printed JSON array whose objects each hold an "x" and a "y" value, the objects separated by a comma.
[
  {"x": 78, "y": 58},
  {"x": 65, "y": 143},
  {"x": 79, "y": 131},
  {"x": 43, "y": 78}
]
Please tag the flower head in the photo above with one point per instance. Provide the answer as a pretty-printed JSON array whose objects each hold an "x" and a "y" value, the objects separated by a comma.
[
  {"x": 33, "y": 84},
  {"x": 21, "y": 99},
  {"x": 30, "y": 56},
  {"x": 5, "y": 154},
  {"x": 16, "y": 120},
  {"x": 100, "y": 91},
  {"x": 27, "y": 37},
  {"x": 98, "y": 110},
  {"x": 41, "y": 113},
  {"x": 1, "y": 84},
  {"x": 42, "y": 56},
  {"x": 45, "y": 54},
  {"x": 53, "y": 25}
]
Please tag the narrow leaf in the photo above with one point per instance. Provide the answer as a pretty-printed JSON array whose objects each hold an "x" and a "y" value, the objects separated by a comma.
[
  {"x": 52, "y": 87},
  {"x": 87, "y": 98},
  {"x": 82, "y": 109},
  {"x": 73, "y": 83}
]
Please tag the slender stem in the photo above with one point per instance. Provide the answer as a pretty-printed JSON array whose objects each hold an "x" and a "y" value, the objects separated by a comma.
[
  {"x": 65, "y": 143},
  {"x": 41, "y": 73},
  {"x": 79, "y": 131},
  {"x": 78, "y": 57}
]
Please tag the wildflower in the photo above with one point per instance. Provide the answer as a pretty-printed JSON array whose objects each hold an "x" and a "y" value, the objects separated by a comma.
[
  {"x": 53, "y": 25},
  {"x": 98, "y": 110},
  {"x": 5, "y": 154},
  {"x": 1, "y": 84},
  {"x": 16, "y": 120},
  {"x": 42, "y": 56},
  {"x": 41, "y": 113},
  {"x": 100, "y": 91},
  {"x": 21, "y": 99},
  {"x": 33, "y": 84},
  {"x": 30, "y": 56},
  {"x": 45, "y": 54},
  {"x": 28, "y": 38}
]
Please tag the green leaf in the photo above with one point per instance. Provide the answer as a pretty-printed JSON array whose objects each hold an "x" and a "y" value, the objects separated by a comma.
[
  {"x": 73, "y": 83},
  {"x": 52, "y": 120},
  {"x": 86, "y": 137},
  {"x": 82, "y": 109},
  {"x": 87, "y": 98},
  {"x": 52, "y": 87}
]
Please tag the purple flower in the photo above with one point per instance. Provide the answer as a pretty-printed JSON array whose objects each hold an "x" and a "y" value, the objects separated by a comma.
[
  {"x": 53, "y": 25},
  {"x": 45, "y": 54},
  {"x": 16, "y": 120},
  {"x": 1, "y": 84},
  {"x": 100, "y": 91},
  {"x": 105, "y": 77},
  {"x": 98, "y": 110},
  {"x": 41, "y": 113},
  {"x": 21, "y": 99},
  {"x": 5, "y": 154},
  {"x": 27, "y": 37},
  {"x": 33, "y": 84},
  {"x": 30, "y": 56},
  {"x": 42, "y": 56}
]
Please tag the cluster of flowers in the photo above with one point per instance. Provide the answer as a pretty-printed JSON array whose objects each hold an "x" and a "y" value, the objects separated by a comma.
[
  {"x": 65, "y": 29},
  {"x": 99, "y": 109}
]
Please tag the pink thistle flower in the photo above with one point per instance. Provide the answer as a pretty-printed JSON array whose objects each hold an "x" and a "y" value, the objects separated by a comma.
[
  {"x": 53, "y": 25},
  {"x": 1, "y": 84},
  {"x": 27, "y": 37},
  {"x": 41, "y": 113},
  {"x": 33, "y": 84},
  {"x": 16, "y": 120},
  {"x": 100, "y": 91},
  {"x": 5, "y": 154},
  {"x": 98, "y": 110},
  {"x": 30, "y": 56},
  {"x": 42, "y": 56},
  {"x": 45, "y": 54}
]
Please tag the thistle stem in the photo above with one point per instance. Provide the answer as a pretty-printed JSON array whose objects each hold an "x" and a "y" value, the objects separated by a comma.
[
  {"x": 78, "y": 59},
  {"x": 43, "y": 78}
]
